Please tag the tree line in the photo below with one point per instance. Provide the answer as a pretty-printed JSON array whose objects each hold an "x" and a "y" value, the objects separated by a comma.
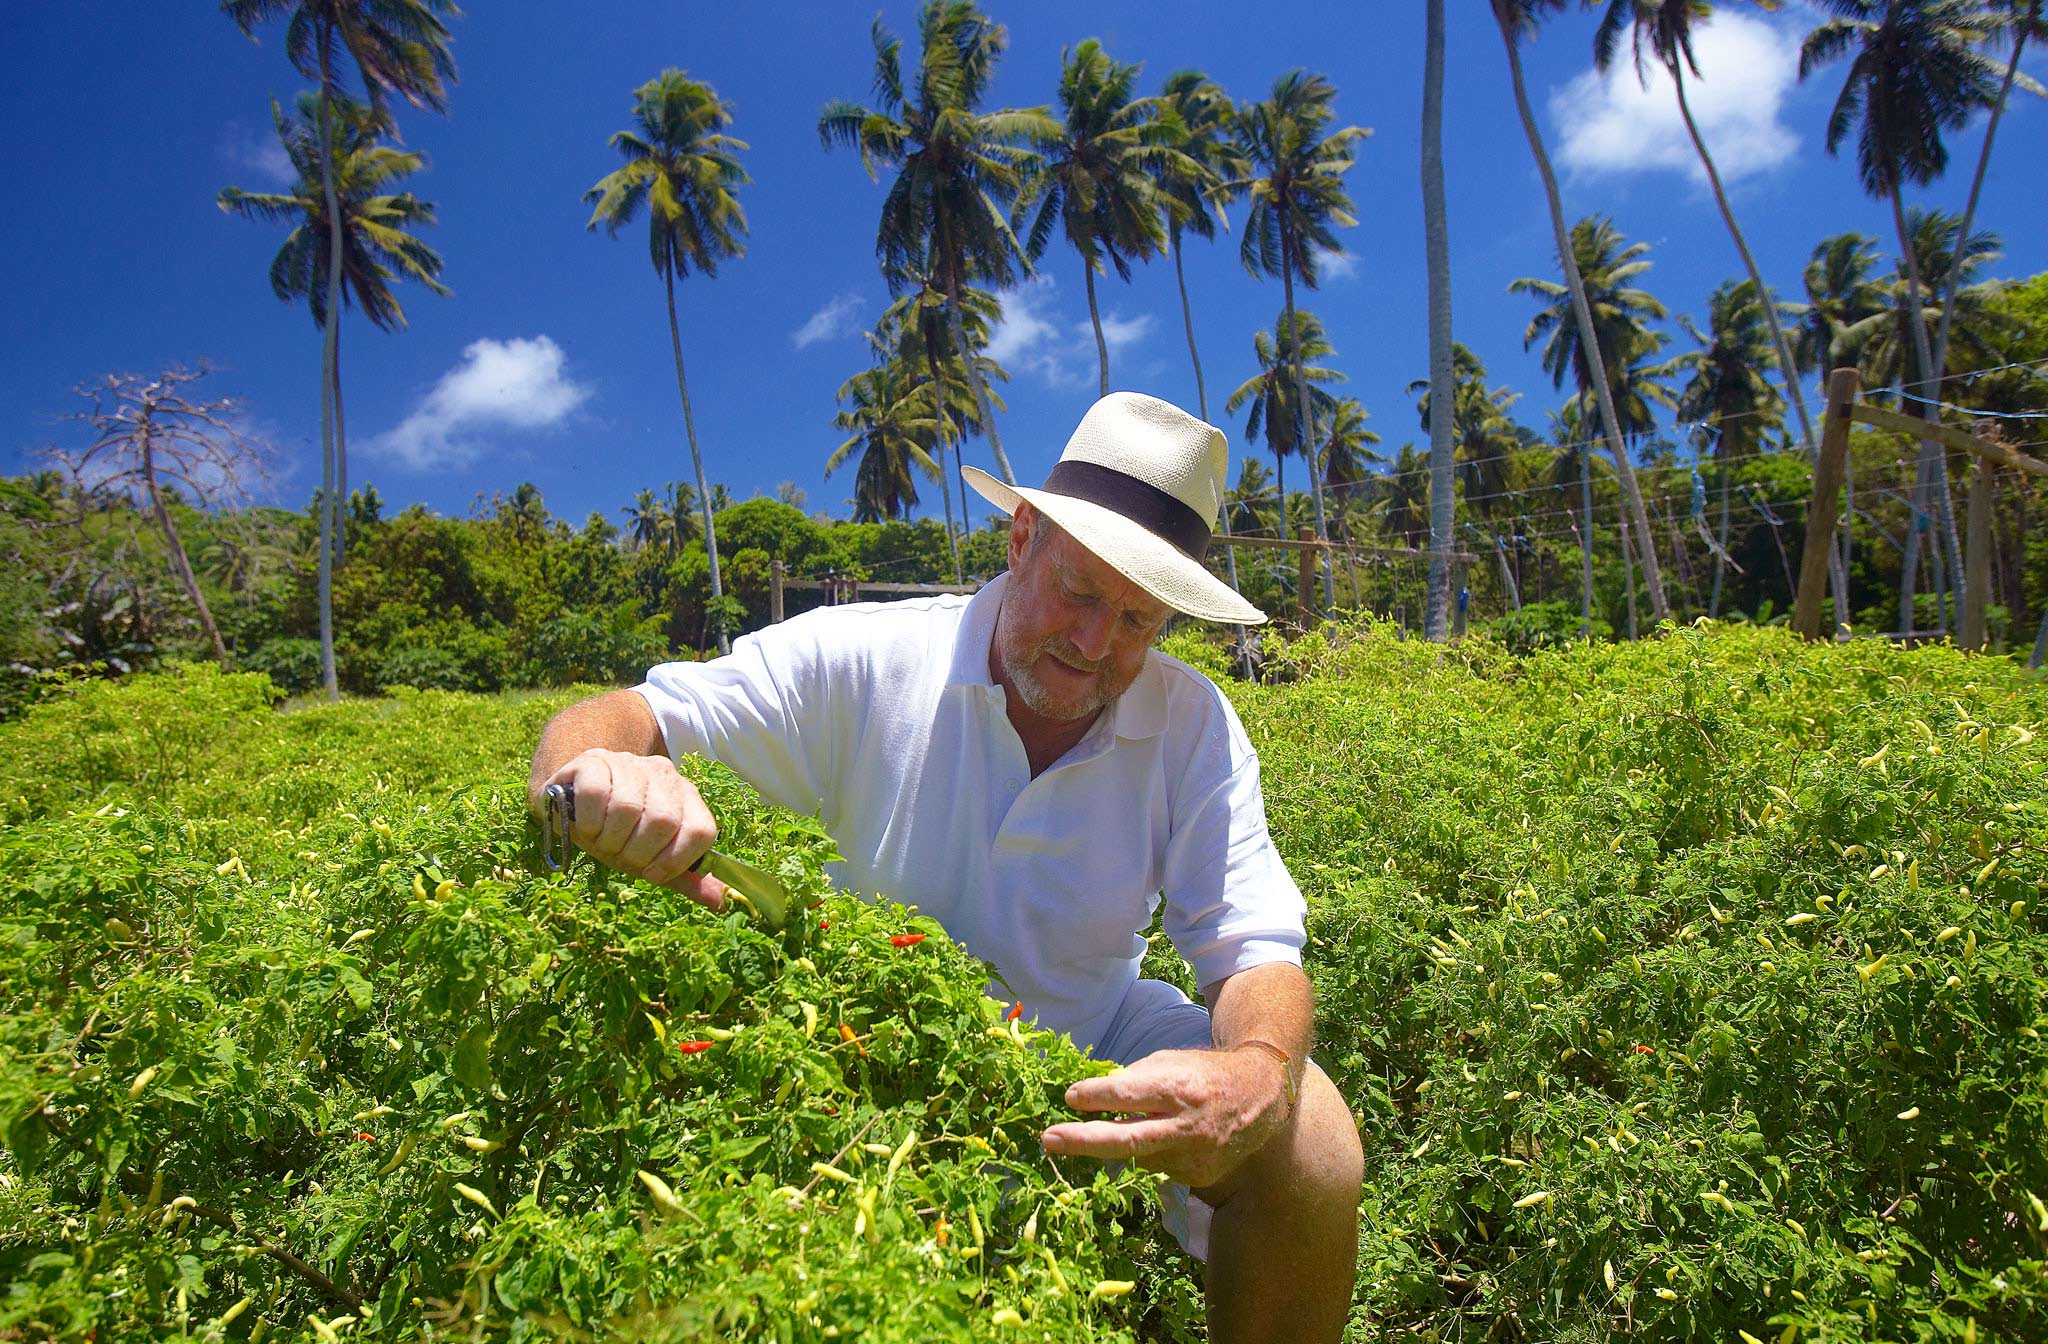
[{"x": 977, "y": 196}]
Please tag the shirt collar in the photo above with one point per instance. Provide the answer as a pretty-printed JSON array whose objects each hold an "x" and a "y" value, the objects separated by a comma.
[{"x": 1140, "y": 712}]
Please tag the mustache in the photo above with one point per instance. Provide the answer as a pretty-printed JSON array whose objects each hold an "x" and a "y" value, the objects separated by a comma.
[{"x": 1071, "y": 656}]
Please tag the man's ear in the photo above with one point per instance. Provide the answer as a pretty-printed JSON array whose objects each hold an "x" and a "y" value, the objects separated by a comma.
[{"x": 1023, "y": 522}]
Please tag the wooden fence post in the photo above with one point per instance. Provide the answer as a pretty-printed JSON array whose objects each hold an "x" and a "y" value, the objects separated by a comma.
[
  {"x": 1821, "y": 515},
  {"x": 1305, "y": 579},
  {"x": 1977, "y": 548},
  {"x": 775, "y": 577}
]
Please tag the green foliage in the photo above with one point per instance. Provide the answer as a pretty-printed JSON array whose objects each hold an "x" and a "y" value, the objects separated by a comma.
[
  {"x": 1643, "y": 928},
  {"x": 291, "y": 664},
  {"x": 1544, "y": 625},
  {"x": 1552, "y": 905},
  {"x": 265, "y": 1054}
]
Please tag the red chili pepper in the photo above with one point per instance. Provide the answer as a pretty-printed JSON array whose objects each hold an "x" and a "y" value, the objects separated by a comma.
[
  {"x": 906, "y": 940},
  {"x": 365, "y": 1137},
  {"x": 1645, "y": 1050},
  {"x": 694, "y": 1047},
  {"x": 824, "y": 924},
  {"x": 1016, "y": 1011}
]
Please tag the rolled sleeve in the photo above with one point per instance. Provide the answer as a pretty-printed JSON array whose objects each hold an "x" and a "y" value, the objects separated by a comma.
[
  {"x": 1230, "y": 902},
  {"x": 756, "y": 711}
]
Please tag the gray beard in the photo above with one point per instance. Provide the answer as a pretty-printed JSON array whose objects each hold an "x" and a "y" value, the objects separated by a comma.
[{"x": 1041, "y": 700}]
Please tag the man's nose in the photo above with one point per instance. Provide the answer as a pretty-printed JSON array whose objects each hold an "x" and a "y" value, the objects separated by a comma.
[{"x": 1093, "y": 633}]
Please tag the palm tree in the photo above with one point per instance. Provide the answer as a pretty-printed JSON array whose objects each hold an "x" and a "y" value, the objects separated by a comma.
[
  {"x": 1403, "y": 496},
  {"x": 1191, "y": 193},
  {"x": 916, "y": 329},
  {"x": 400, "y": 48},
  {"x": 1098, "y": 183},
  {"x": 1665, "y": 29},
  {"x": 1248, "y": 504},
  {"x": 1483, "y": 434},
  {"x": 683, "y": 168},
  {"x": 1915, "y": 73},
  {"x": 1295, "y": 181},
  {"x": 1883, "y": 345},
  {"x": 1727, "y": 395},
  {"x": 1191, "y": 187},
  {"x": 1882, "y": 341},
  {"x": 377, "y": 245},
  {"x": 647, "y": 520},
  {"x": 2025, "y": 21},
  {"x": 1284, "y": 370},
  {"x": 1572, "y": 461},
  {"x": 1437, "y": 249},
  {"x": 1839, "y": 294},
  {"x": 1621, "y": 318},
  {"x": 1347, "y": 451},
  {"x": 889, "y": 415},
  {"x": 1515, "y": 18},
  {"x": 958, "y": 169}
]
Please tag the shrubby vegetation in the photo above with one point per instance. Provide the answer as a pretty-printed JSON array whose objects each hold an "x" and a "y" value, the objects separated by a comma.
[{"x": 1682, "y": 988}]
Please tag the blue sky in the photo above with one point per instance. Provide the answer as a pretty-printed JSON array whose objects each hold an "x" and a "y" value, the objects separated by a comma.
[{"x": 550, "y": 361}]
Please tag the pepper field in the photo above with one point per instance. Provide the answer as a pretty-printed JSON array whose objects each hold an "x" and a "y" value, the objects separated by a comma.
[{"x": 1686, "y": 989}]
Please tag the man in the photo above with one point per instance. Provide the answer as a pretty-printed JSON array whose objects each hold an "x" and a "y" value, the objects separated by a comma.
[{"x": 1026, "y": 769}]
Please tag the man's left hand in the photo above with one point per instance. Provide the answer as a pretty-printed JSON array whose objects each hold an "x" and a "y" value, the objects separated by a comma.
[{"x": 1196, "y": 1115}]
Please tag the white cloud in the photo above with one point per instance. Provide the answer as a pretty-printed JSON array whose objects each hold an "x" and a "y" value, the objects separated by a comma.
[
  {"x": 1120, "y": 333},
  {"x": 1613, "y": 124},
  {"x": 1336, "y": 265},
  {"x": 835, "y": 319},
  {"x": 517, "y": 384},
  {"x": 1032, "y": 337},
  {"x": 258, "y": 153}
]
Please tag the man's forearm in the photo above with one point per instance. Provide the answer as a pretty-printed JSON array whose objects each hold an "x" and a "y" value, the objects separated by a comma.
[
  {"x": 614, "y": 721},
  {"x": 1271, "y": 1003}
]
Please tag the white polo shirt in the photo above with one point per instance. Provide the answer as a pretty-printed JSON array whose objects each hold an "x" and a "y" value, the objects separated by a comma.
[{"x": 882, "y": 719}]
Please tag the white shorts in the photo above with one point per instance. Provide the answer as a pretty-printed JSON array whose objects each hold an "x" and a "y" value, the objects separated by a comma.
[{"x": 1156, "y": 1016}]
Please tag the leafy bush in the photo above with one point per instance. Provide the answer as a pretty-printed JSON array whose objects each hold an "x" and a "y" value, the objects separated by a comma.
[
  {"x": 382, "y": 1065},
  {"x": 293, "y": 665},
  {"x": 423, "y": 666},
  {"x": 1682, "y": 988},
  {"x": 1544, "y": 625},
  {"x": 589, "y": 646}
]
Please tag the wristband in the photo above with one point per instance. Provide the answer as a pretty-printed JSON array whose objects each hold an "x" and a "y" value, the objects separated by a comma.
[{"x": 1286, "y": 1065}]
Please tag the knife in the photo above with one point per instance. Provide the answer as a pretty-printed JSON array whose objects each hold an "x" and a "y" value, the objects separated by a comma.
[{"x": 761, "y": 894}]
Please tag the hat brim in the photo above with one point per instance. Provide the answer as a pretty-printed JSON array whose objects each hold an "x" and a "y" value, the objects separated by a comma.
[{"x": 1146, "y": 559}]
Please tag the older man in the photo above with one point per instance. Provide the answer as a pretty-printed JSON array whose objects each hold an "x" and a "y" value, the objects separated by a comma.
[{"x": 1028, "y": 770}]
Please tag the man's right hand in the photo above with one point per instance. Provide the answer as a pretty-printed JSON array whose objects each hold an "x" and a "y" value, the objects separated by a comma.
[{"x": 639, "y": 815}]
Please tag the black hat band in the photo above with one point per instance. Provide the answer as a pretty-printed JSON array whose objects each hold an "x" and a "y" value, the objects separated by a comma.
[{"x": 1142, "y": 502}]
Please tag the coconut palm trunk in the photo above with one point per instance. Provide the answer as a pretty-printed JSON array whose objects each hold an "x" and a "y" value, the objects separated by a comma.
[
  {"x": 675, "y": 337},
  {"x": 1187, "y": 318},
  {"x": 960, "y": 347},
  {"x": 1788, "y": 370},
  {"x": 1095, "y": 319},
  {"x": 1588, "y": 338},
  {"x": 1436, "y": 617},
  {"x": 1930, "y": 463},
  {"x": 1955, "y": 275},
  {"x": 181, "y": 565},
  {"x": 340, "y": 464},
  {"x": 939, "y": 422},
  {"x": 330, "y": 356},
  {"x": 1304, "y": 421}
]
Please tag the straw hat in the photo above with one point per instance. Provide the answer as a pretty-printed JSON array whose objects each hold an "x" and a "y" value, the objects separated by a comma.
[{"x": 1139, "y": 485}]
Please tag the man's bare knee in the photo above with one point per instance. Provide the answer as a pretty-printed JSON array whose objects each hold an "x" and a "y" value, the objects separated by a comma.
[{"x": 1316, "y": 1165}]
